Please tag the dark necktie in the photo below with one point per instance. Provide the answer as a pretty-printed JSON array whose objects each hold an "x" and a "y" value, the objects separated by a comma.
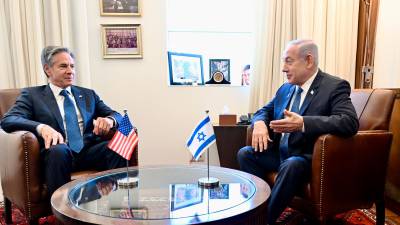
[
  {"x": 284, "y": 144},
  {"x": 75, "y": 141}
]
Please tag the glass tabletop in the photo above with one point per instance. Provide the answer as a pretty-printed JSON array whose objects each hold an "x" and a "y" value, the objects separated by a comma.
[{"x": 154, "y": 193}]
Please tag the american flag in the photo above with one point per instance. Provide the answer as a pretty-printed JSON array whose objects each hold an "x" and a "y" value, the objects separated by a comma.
[{"x": 125, "y": 139}]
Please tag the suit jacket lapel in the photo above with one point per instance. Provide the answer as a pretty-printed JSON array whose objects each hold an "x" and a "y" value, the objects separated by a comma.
[
  {"x": 48, "y": 96},
  {"x": 311, "y": 93},
  {"x": 80, "y": 102},
  {"x": 286, "y": 100}
]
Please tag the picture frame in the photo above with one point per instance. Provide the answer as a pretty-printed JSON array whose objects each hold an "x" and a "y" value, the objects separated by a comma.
[
  {"x": 185, "y": 195},
  {"x": 185, "y": 69},
  {"x": 122, "y": 41},
  {"x": 120, "y": 8},
  {"x": 220, "y": 65}
]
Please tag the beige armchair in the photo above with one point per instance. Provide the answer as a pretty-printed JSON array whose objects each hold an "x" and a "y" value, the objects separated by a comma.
[{"x": 22, "y": 178}]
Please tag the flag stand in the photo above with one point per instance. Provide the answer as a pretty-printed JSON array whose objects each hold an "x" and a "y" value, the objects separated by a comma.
[
  {"x": 128, "y": 182},
  {"x": 208, "y": 182}
]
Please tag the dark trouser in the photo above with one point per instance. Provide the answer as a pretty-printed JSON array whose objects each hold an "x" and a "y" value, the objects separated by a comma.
[
  {"x": 292, "y": 174},
  {"x": 60, "y": 161}
]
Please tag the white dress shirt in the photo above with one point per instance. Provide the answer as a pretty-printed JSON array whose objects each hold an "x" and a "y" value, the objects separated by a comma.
[
  {"x": 60, "y": 102},
  {"x": 306, "y": 86}
]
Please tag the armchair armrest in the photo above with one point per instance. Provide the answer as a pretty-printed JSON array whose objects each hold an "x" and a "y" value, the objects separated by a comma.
[
  {"x": 345, "y": 171},
  {"x": 249, "y": 135},
  {"x": 20, "y": 160}
]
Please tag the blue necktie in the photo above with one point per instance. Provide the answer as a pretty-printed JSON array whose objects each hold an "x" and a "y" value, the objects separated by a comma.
[
  {"x": 75, "y": 141},
  {"x": 284, "y": 145}
]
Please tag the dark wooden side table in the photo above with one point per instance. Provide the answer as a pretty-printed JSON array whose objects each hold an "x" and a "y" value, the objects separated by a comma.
[{"x": 229, "y": 140}]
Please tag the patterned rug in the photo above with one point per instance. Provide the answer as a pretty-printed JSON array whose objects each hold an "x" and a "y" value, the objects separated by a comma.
[
  {"x": 353, "y": 217},
  {"x": 289, "y": 217},
  {"x": 19, "y": 219}
]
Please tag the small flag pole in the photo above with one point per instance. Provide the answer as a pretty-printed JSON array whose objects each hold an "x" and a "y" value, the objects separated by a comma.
[
  {"x": 127, "y": 161},
  {"x": 208, "y": 182},
  {"x": 127, "y": 183},
  {"x": 208, "y": 163}
]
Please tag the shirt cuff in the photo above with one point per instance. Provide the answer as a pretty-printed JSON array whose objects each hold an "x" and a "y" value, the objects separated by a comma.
[
  {"x": 114, "y": 121},
  {"x": 39, "y": 128}
]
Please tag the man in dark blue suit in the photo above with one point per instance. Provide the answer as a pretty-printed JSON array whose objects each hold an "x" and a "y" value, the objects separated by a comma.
[
  {"x": 68, "y": 121},
  {"x": 311, "y": 103}
]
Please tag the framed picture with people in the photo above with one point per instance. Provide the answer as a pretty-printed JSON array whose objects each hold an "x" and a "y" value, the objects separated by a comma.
[
  {"x": 122, "y": 41},
  {"x": 119, "y": 8}
]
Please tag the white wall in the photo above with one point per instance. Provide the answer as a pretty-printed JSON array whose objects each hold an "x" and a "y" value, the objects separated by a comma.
[
  {"x": 164, "y": 115},
  {"x": 387, "y": 52}
]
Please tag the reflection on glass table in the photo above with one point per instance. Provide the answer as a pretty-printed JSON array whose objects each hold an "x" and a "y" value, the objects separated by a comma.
[
  {"x": 158, "y": 195},
  {"x": 162, "y": 195},
  {"x": 190, "y": 199}
]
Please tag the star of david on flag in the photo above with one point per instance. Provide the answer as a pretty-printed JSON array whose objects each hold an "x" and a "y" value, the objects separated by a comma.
[
  {"x": 201, "y": 138},
  {"x": 125, "y": 139}
]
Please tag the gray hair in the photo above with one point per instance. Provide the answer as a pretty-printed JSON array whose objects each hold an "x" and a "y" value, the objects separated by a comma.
[
  {"x": 50, "y": 51},
  {"x": 306, "y": 47}
]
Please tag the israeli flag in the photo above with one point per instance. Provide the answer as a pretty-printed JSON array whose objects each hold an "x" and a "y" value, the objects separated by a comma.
[{"x": 202, "y": 137}]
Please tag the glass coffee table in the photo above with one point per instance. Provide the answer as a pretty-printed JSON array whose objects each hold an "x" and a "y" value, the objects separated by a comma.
[{"x": 162, "y": 195}]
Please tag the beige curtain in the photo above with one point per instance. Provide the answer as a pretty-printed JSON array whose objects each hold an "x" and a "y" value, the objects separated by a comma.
[
  {"x": 275, "y": 29},
  {"x": 27, "y": 26},
  {"x": 21, "y": 42},
  {"x": 331, "y": 23}
]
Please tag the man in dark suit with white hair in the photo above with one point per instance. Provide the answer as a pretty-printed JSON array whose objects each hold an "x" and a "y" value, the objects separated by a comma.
[
  {"x": 68, "y": 121},
  {"x": 311, "y": 103}
]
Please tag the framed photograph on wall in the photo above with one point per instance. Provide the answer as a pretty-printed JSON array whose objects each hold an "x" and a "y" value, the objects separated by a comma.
[
  {"x": 185, "y": 69},
  {"x": 121, "y": 41},
  {"x": 220, "y": 65},
  {"x": 119, "y": 8}
]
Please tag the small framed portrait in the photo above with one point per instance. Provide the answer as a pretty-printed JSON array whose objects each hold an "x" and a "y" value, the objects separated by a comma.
[
  {"x": 185, "y": 69},
  {"x": 246, "y": 75},
  {"x": 185, "y": 195},
  {"x": 119, "y": 8},
  {"x": 222, "y": 66},
  {"x": 122, "y": 41}
]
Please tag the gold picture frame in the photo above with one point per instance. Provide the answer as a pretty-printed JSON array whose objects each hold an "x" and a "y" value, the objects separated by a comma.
[
  {"x": 120, "y": 8},
  {"x": 122, "y": 41}
]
